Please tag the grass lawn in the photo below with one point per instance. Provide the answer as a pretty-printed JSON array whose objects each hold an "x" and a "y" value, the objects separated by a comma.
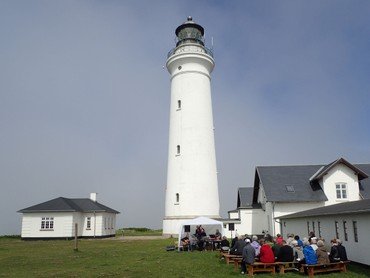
[{"x": 114, "y": 257}]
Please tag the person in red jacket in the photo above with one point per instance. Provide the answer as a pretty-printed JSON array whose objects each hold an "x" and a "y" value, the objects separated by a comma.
[{"x": 266, "y": 254}]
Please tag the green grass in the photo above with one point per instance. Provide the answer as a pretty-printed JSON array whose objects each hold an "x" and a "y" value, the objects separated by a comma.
[
  {"x": 138, "y": 232},
  {"x": 116, "y": 258}
]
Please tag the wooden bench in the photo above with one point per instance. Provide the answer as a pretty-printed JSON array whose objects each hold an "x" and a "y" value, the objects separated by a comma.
[
  {"x": 261, "y": 267},
  {"x": 286, "y": 266},
  {"x": 228, "y": 257},
  {"x": 321, "y": 268}
]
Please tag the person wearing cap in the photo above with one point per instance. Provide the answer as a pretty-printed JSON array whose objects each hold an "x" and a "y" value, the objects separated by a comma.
[{"x": 249, "y": 254}]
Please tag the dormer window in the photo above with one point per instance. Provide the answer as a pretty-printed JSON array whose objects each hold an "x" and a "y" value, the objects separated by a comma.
[{"x": 341, "y": 190}]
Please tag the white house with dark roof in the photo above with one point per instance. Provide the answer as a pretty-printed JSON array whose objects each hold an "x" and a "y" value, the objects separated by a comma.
[
  {"x": 57, "y": 218},
  {"x": 283, "y": 190},
  {"x": 349, "y": 221}
]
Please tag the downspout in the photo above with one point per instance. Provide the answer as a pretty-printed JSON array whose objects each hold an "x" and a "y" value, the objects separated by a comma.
[
  {"x": 94, "y": 223},
  {"x": 273, "y": 218}
]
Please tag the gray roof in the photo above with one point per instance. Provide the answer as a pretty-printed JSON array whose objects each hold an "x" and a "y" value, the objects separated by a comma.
[
  {"x": 362, "y": 206},
  {"x": 365, "y": 183},
  {"x": 276, "y": 181},
  {"x": 62, "y": 204},
  {"x": 325, "y": 169},
  {"x": 245, "y": 197}
]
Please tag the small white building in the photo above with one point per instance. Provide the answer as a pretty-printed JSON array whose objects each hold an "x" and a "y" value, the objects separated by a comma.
[
  {"x": 283, "y": 190},
  {"x": 57, "y": 218},
  {"x": 350, "y": 222}
]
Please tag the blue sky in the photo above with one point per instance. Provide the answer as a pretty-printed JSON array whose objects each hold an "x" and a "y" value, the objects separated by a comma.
[{"x": 84, "y": 98}]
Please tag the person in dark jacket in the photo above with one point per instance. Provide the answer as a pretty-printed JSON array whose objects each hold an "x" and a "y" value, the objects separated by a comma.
[
  {"x": 249, "y": 254},
  {"x": 285, "y": 253},
  {"x": 225, "y": 244},
  {"x": 334, "y": 254},
  {"x": 237, "y": 249},
  {"x": 341, "y": 251}
]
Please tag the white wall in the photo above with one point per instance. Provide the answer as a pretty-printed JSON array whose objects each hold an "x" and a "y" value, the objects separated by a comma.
[
  {"x": 340, "y": 174},
  {"x": 253, "y": 221},
  {"x": 192, "y": 174},
  {"x": 31, "y": 225},
  {"x": 64, "y": 225},
  {"x": 281, "y": 209},
  {"x": 356, "y": 251},
  {"x": 234, "y": 215}
]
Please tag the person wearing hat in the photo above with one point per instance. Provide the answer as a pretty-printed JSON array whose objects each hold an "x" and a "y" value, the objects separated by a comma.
[{"x": 249, "y": 254}]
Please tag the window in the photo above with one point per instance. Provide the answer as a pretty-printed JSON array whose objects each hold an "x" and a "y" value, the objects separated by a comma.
[
  {"x": 47, "y": 223},
  {"x": 345, "y": 230},
  {"x": 179, "y": 105},
  {"x": 355, "y": 230},
  {"x": 336, "y": 229},
  {"x": 178, "y": 149},
  {"x": 319, "y": 228},
  {"x": 290, "y": 188},
  {"x": 177, "y": 197},
  {"x": 341, "y": 189},
  {"x": 313, "y": 227},
  {"x": 105, "y": 223},
  {"x": 88, "y": 223},
  {"x": 308, "y": 227}
]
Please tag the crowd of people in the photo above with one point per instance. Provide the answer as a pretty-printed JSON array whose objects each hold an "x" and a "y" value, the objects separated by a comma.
[
  {"x": 309, "y": 250},
  {"x": 200, "y": 240}
]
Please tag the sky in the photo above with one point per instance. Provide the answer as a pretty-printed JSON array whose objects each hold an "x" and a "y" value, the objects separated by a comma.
[{"x": 84, "y": 96}]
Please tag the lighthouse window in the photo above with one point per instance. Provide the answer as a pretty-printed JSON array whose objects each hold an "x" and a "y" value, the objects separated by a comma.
[
  {"x": 177, "y": 197},
  {"x": 178, "y": 104},
  {"x": 178, "y": 149}
]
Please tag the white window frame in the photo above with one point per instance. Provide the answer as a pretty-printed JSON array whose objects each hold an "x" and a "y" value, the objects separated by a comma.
[
  {"x": 88, "y": 223},
  {"x": 341, "y": 191},
  {"x": 47, "y": 224}
]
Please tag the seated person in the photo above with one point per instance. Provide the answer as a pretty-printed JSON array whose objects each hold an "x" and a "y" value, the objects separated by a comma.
[
  {"x": 309, "y": 254},
  {"x": 237, "y": 249},
  {"x": 185, "y": 241},
  {"x": 218, "y": 235},
  {"x": 266, "y": 255},
  {"x": 322, "y": 253},
  {"x": 225, "y": 244},
  {"x": 342, "y": 251},
  {"x": 285, "y": 253}
]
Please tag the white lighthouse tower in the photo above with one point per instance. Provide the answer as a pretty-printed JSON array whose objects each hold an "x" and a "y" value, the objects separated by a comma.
[{"x": 192, "y": 188}]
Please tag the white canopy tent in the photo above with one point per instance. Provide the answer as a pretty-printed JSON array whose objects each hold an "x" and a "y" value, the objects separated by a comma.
[{"x": 210, "y": 226}]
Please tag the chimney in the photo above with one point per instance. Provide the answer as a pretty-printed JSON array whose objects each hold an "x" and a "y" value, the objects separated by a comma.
[{"x": 93, "y": 196}]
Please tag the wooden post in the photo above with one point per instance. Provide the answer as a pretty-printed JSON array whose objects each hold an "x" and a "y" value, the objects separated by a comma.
[{"x": 76, "y": 241}]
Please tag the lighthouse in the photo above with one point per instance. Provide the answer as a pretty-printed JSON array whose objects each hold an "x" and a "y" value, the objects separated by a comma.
[{"x": 192, "y": 187}]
